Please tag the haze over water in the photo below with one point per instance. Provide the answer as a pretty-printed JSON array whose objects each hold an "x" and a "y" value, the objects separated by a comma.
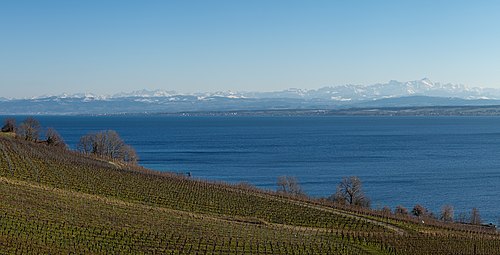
[{"x": 401, "y": 160}]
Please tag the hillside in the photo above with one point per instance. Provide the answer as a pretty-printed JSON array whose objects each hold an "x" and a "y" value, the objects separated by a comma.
[{"x": 55, "y": 201}]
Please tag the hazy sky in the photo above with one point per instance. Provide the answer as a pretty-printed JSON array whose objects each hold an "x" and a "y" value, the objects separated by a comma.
[{"x": 50, "y": 47}]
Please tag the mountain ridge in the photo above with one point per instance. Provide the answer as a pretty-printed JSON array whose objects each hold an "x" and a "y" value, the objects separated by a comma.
[
  {"x": 422, "y": 92},
  {"x": 393, "y": 88}
]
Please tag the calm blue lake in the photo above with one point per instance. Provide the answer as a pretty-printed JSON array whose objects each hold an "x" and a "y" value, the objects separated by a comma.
[{"x": 401, "y": 160}]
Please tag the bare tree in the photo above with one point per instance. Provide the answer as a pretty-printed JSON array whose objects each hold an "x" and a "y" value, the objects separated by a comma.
[
  {"x": 386, "y": 210},
  {"x": 86, "y": 144},
  {"x": 349, "y": 191},
  {"x": 54, "y": 139},
  {"x": 463, "y": 217},
  {"x": 128, "y": 154},
  {"x": 475, "y": 217},
  {"x": 9, "y": 125},
  {"x": 29, "y": 129},
  {"x": 419, "y": 211},
  {"x": 401, "y": 210},
  {"x": 447, "y": 213},
  {"x": 289, "y": 185},
  {"x": 107, "y": 144}
]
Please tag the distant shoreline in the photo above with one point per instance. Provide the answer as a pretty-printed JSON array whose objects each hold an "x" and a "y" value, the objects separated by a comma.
[
  {"x": 372, "y": 111},
  {"x": 487, "y": 110}
]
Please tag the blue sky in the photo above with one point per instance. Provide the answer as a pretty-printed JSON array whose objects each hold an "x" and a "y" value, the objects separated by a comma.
[{"x": 50, "y": 47}]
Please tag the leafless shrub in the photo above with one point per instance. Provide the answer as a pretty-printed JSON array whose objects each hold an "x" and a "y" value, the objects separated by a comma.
[
  {"x": 475, "y": 217},
  {"x": 447, "y": 213},
  {"x": 107, "y": 144},
  {"x": 54, "y": 139},
  {"x": 9, "y": 125},
  {"x": 289, "y": 185},
  {"x": 401, "y": 210},
  {"x": 29, "y": 129},
  {"x": 350, "y": 192}
]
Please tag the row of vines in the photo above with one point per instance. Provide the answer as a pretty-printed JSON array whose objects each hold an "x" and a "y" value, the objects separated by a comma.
[{"x": 57, "y": 201}]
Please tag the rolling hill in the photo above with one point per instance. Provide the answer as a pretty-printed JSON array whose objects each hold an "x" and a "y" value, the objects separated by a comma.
[{"x": 57, "y": 201}]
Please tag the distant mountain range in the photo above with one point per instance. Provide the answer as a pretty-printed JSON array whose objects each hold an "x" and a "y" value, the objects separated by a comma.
[{"x": 392, "y": 94}]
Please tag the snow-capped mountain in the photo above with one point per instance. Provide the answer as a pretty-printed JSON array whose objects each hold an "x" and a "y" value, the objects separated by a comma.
[
  {"x": 146, "y": 93},
  {"x": 393, "y": 93},
  {"x": 391, "y": 89},
  {"x": 343, "y": 93}
]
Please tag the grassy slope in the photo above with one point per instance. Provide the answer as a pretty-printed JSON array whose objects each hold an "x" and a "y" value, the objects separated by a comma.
[{"x": 59, "y": 202}]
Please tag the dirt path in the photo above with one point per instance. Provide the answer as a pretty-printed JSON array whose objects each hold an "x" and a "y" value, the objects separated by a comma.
[{"x": 386, "y": 225}]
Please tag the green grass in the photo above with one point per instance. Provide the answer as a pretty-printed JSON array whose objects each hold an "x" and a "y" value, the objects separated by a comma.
[{"x": 55, "y": 201}]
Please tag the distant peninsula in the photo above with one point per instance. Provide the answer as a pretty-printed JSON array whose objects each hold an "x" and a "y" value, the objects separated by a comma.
[{"x": 491, "y": 110}]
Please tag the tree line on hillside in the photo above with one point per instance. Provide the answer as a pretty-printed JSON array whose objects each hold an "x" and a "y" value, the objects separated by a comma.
[
  {"x": 107, "y": 144},
  {"x": 30, "y": 130},
  {"x": 350, "y": 193}
]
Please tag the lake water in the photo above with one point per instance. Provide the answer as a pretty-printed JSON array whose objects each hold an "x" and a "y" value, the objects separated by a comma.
[{"x": 401, "y": 160}]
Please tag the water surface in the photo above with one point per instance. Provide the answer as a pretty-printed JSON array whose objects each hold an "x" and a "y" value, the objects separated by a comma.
[{"x": 401, "y": 160}]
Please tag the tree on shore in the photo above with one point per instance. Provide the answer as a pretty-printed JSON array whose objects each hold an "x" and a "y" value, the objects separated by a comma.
[
  {"x": 29, "y": 129},
  {"x": 447, "y": 213},
  {"x": 401, "y": 210},
  {"x": 9, "y": 125},
  {"x": 350, "y": 192},
  {"x": 386, "y": 210},
  {"x": 107, "y": 144},
  {"x": 419, "y": 211},
  {"x": 54, "y": 139},
  {"x": 475, "y": 217},
  {"x": 128, "y": 154},
  {"x": 289, "y": 185},
  {"x": 463, "y": 217}
]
